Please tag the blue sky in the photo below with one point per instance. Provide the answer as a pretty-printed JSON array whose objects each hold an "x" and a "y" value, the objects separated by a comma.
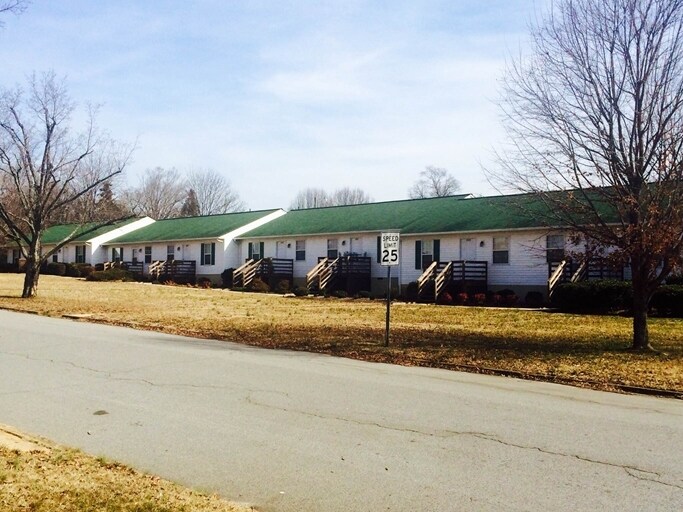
[{"x": 281, "y": 95}]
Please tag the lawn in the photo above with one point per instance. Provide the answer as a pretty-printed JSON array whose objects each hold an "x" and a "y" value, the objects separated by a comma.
[
  {"x": 38, "y": 476},
  {"x": 580, "y": 349}
]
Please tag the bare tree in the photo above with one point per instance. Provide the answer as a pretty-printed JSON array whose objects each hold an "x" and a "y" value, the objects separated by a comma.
[
  {"x": 159, "y": 195},
  {"x": 348, "y": 195},
  {"x": 310, "y": 198},
  {"x": 214, "y": 193},
  {"x": 13, "y": 6},
  {"x": 598, "y": 109},
  {"x": 434, "y": 182},
  {"x": 42, "y": 163},
  {"x": 99, "y": 202},
  {"x": 319, "y": 198},
  {"x": 190, "y": 206}
]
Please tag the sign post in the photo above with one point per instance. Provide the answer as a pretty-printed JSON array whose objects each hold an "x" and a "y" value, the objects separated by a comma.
[{"x": 389, "y": 257}]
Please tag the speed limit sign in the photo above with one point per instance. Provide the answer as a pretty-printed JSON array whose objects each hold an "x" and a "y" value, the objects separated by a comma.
[{"x": 389, "y": 255}]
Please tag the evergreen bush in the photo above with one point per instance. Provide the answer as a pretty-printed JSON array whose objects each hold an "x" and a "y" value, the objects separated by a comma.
[
  {"x": 668, "y": 301},
  {"x": 113, "y": 274},
  {"x": 593, "y": 296}
]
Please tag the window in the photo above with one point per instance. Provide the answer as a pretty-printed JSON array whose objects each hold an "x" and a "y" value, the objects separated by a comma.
[
  {"x": 554, "y": 248},
  {"x": 148, "y": 254},
  {"x": 501, "y": 249},
  {"x": 16, "y": 255},
  {"x": 170, "y": 253},
  {"x": 80, "y": 254},
  {"x": 426, "y": 252},
  {"x": 116, "y": 254},
  {"x": 300, "y": 250},
  {"x": 208, "y": 254},
  {"x": 55, "y": 258},
  {"x": 332, "y": 248},
  {"x": 256, "y": 250}
]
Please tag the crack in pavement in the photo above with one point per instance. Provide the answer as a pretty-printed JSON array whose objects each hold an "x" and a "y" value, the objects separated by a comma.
[
  {"x": 628, "y": 469},
  {"x": 111, "y": 374}
]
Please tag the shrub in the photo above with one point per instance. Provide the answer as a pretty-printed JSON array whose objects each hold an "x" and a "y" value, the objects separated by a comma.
[
  {"x": 445, "y": 298},
  {"x": 84, "y": 269},
  {"x": 282, "y": 286},
  {"x": 204, "y": 282},
  {"x": 226, "y": 277},
  {"x": 55, "y": 269},
  {"x": 676, "y": 279},
  {"x": 506, "y": 292},
  {"x": 534, "y": 299},
  {"x": 7, "y": 268},
  {"x": 364, "y": 294},
  {"x": 99, "y": 267},
  {"x": 300, "y": 292},
  {"x": 411, "y": 291},
  {"x": 593, "y": 296},
  {"x": 340, "y": 294},
  {"x": 461, "y": 299},
  {"x": 668, "y": 301},
  {"x": 71, "y": 270},
  {"x": 510, "y": 300},
  {"x": 113, "y": 274},
  {"x": 495, "y": 300},
  {"x": 479, "y": 299},
  {"x": 257, "y": 285}
]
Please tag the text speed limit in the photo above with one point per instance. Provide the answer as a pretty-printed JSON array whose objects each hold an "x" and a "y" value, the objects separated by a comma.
[{"x": 389, "y": 254}]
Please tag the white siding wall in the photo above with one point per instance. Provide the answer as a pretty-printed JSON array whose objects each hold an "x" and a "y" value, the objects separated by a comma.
[
  {"x": 183, "y": 250},
  {"x": 526, "y": 265},
  {"x": 526, "y": 260},
  {"x": 316, "y": 246}
]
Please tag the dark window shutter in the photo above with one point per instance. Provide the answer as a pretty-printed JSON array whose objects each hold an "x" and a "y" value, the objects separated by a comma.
[
  {"x": 437, "y": 250},
  {"x": 213, "y": 254},
  {"x": 201, "y": 255},
  {"x": 251, "y": 251},
  {"x": 418, "y": 254},
  {"x": 260, "y": 245},
  {"x": 379, "y": 249}
]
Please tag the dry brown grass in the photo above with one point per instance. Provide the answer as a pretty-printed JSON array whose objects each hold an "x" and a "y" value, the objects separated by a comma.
[
  {"x": 58, "y": 478},
  {"x": 551, "y": 346}
]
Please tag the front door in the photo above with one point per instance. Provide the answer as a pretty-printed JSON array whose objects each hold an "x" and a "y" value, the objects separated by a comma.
[
  {"x": 280, "y": 249},
  {"x": 356, "y": 246},
  {"x": 468, "y": 249}
]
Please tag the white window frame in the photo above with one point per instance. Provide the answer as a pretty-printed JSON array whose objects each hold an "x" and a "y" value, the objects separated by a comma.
[
  {"x": 207, "y": 258},
  {"x": 501, "y": 250},
  {"x": 300, "y": 250},
  {"x": 554, "y": 242},
  {"x": 332, "y": 248}
]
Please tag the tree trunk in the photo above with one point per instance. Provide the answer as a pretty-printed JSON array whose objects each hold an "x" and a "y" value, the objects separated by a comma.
[
  {"x": 32, "y": 273},
  {"x": 641, "y": 299}
]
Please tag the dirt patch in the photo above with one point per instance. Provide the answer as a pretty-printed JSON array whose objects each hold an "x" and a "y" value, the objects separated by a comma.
[{"x": 12, "y": 439}]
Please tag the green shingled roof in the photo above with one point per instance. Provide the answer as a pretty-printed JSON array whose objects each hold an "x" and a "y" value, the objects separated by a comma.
[
  {"x": 56, "y": 234},
  {"x": 416, "y": 216},
  {"x": 191, "y": 228}
]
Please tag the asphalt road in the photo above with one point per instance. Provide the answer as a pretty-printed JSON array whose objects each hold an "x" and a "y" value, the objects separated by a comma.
[{"x": 289, "y": 431}]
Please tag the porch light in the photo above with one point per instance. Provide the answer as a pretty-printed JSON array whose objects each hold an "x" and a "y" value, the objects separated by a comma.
[{"x": 481, "y": 244}]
